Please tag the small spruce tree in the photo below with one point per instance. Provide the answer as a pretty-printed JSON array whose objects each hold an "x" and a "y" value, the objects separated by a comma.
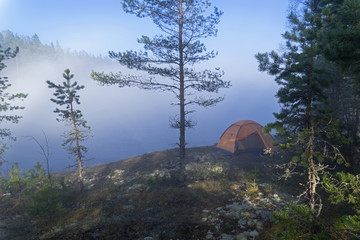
[{"x": 67, "y": 97}]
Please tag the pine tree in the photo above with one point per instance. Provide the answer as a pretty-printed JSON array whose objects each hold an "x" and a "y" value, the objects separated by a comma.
[
  {"x": 304, "y": 121},
  {"x": 340, "y": 45},
  {"x": 171, "y": 57},
  {"x": 67, "y": 97},
  {"x": 6, "y": 98},
  {"x": 341, "y": 34}
]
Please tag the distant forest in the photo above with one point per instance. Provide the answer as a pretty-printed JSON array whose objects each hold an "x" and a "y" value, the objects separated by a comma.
[{"x": 33, "y": 47}]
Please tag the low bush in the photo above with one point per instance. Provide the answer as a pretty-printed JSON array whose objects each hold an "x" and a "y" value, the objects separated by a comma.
[{"x": 47, "y": 203}]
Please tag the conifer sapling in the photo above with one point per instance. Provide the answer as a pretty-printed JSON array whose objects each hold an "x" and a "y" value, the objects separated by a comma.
[{"x": 67, "y": 98}]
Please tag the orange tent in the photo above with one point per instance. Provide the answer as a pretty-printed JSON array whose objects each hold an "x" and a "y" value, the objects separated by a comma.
[{"x": 245, "y": 135}]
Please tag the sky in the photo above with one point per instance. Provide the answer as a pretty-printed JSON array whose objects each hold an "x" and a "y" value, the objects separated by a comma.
[{"x": 129, "y": 122}]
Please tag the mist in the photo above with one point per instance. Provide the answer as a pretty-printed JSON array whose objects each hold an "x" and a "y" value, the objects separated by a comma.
[{"x": 125, "y": 122}]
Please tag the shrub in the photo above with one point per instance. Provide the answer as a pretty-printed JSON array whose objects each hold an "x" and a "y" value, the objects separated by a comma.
[
  {"x": 297, "y": 221},
  {"x": 151, "y": 180},
  {"x": 47, "y": 203},
  {"x": 344, "y": 187},
  {"x": 250, "y": 180}
]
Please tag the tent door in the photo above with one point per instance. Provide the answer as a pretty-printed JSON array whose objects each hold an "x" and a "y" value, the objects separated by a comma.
[{"x": 251, "y": 143}]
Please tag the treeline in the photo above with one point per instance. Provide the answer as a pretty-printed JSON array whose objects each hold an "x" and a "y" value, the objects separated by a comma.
[
  {"x": 31, "y": 47},
  {"x": 318, "y": 72}
]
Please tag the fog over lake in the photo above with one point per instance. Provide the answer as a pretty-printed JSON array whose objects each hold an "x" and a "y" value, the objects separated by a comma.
[{"x": 127, "y": 122}]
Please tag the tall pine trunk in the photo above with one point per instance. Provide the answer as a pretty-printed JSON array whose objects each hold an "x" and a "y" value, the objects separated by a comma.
[
  {"x": 312, "y": 178},
  {"x": 78, "y": 150},
  {"x": 181, "y": 96},
  {"x": 312, "y": 171}
]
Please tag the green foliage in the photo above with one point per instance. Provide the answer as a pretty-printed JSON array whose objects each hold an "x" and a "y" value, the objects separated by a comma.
[
  {"x": 343, "y": 27},
  {"x": 152, "y": 180},
  {"x": 47, "y": 203},
  {"x": 294, "y": 222},
  {"x": 250, "y": 180},
  {"x": 345, "y": 187},
  {"x": 38, "y": 176},
  {"x": 162, "y": 57},
  {"x": 66, "y": 94},
  {"x": 20, "y": 185},
  {"x": 252, "y": 175},
  {"x": 301, "y": 77},
  {"x": 16, "y": 182},
  {"x": 347, "y": 227},
  {"x": 67, "y": 97},
  {"x": 340, "y": 46},
  {"x": 20, "y": 182},
  {"x": 35, "y": 192},
  {"x": 218, "y": 170},
  {"x": 305, "y": 124},
  {"x": 6, "y": 98}
]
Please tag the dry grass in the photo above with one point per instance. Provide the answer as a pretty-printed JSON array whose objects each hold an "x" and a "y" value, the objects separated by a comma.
[
  {"x": 210, "y": 186},
  {"x": 252, "y": 190},
  {"x": 145, "y": 204}
]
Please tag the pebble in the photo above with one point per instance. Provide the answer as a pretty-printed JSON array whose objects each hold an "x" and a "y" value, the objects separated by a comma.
[
  {"x": 242, "y": 223},
  {"x": 3, "y": 224},
  {"x": 259, "y": 226},
  {"x": 277, "y": 198},
  {"x": 226, "y": 237},
  {"x": 209, "y": 235},
  {"x": 128, "y": 207},
  {"x": 254, "y": 233},
  {"x": 241, "y": 236},
  {"x": 251, "y": 223}
]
